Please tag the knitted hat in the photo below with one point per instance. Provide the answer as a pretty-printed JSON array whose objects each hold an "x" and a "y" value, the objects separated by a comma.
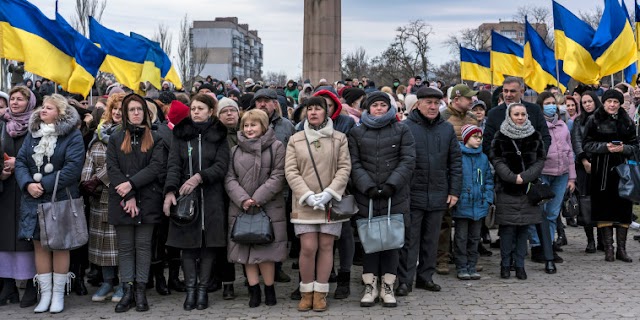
[
  {"x": 177, "y": 113},
  {"x": 226, "y": 102},
  {"x": 468, "y": 130},
  {"x": 350, "y": 95},
  {"x": 207, "y": 85},
  {"x": 374, "y": 97},
  {"x": 612, "y": 94},
  {"x": 166, "y": 97}
]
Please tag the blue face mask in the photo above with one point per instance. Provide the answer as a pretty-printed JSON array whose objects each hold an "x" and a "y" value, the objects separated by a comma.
[{"x": 550, "y": 110}]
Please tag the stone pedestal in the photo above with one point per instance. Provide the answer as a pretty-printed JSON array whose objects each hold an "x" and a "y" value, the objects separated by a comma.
[{"x": 322, "y": 36}]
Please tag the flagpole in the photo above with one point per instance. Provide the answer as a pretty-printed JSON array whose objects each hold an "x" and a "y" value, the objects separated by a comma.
[{"x": 558, "y": 74}]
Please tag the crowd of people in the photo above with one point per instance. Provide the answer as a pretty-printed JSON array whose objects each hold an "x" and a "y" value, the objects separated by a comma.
[{"x": 443, "y": 157}]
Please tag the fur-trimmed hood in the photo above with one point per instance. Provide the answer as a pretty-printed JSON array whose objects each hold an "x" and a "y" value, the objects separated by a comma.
[{"x": 64, "y": 125}]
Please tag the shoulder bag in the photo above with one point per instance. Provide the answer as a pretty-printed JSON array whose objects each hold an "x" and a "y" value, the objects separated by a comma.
[
  {"x": 186, "y": 208},
  {"x": 538, "y": 192},
  {"x": 337, "y": 210},
  {"x": 629, "y": 184},
  {"x": 63, "y": 225},
  {"x": 382, "y": 232}
]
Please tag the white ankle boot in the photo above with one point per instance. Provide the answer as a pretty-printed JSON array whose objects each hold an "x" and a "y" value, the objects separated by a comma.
[
  {"x": 370, "y": 290},
  {"x": 44, "y": 283},
  {"x": 386, "y": 291},
  {"x": 59, "y": 282}
]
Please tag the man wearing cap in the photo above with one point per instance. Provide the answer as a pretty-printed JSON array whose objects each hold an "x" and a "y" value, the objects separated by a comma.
[
  {"x": 206, "y": 88},
  {"x": 435, "y": 187},
  {"x": 248, "y": 85},
  {"x": 418, "y": 85},
  {"x": 479, "y": 108},
  {"x": 457, "y": 114}
]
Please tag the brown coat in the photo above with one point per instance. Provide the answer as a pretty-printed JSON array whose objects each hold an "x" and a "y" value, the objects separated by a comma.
[
  {"x": 331, "y": 153},
  {"x": 458, "y": 119},
  {"x": 256, "y": 171}
]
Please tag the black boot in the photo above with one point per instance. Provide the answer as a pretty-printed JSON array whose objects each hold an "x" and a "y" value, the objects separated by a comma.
[
  {"x": 78, "y": 283},
  {"x": 255, "y": 297},
  {"x": 206, "y": 269},
  {"x": 621, "y": 248},
  {"x": 342, "y": 290},
  {"x": 550, "y": 267},
  {"x": 270, "y": 295},
  {"x": 127, "y": 301},
  {"x": 599, "y": 243},
  {"x": 591, "y": 243},
  {"x": 537, "y": 255},
  {"x": 190, "y": 279},
  {"x": 149, "y": 284},
  {"x": 94, "y": 277},
  {"x": 161, "y": 282},
  {"x": 141, "y": 297},
  {"x": 228, "y": 292},
  {"x": 30, "y": 297},
  {"x": 520, "y": 273},
  {"x": 505, "y": 272},
  {"x": 174, "y": 277},
  {"x": 607, "y": 239},
  {"x": 9, "y": 292}
]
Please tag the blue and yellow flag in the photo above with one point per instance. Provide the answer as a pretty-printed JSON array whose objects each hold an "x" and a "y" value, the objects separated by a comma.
[
  {"x": 167, "y": 71},
  {"x": 539, "y": 63},
  {"x": 573, "y": 39},
  {"x": 151, "y": 71},
  {"x": 476, "y": 66},
  {"x": 506, "y": 55},
  {"x": 125, "y": 56},
  {"x": 613, "y": 46},
  {"x": 46, "y": 48}
]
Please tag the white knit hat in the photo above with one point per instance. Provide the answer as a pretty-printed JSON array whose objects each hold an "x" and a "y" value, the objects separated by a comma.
[{"x": 226, "y": 102}]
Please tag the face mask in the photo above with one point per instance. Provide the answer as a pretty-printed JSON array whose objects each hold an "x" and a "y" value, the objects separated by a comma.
[
  {"x": 562, "y": 108},
  {"x": 395, "y": 84},
  {"x": 550, "y": 110}
]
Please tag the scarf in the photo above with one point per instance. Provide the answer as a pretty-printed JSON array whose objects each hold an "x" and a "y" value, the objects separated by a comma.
[
  {"x": 18, "y": 123},
  {"x": 374, "y": 122},
  {"x": 47, "y": 144},
  {"x": 514, "y": 131},
  {"x": 551, "y": 119},
  {"x": 314, "y": 135}
]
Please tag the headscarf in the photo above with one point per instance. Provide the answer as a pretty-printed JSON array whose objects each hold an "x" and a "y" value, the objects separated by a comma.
[{"x": 18, "y": 123}]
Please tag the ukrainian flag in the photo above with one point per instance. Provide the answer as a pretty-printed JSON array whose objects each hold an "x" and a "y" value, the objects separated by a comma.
[
  {"x": 506, "y": 55},
  {"x": 613, "y": 44},
  {"x": 539, "y": 62},
  {"x": 476, "y": 66},
  {"x": 152, "y": 63},
  {"x": 167, "y": 71},
  {"x": 573, "y": 39},
  {"x": 125, "y": 56},
  {"x": 45, "y": 47}
]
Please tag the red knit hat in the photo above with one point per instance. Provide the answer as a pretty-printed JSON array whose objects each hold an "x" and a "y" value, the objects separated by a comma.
[
  {"x": 177, "y": 112},
  {"x": 469, "y": 130}
]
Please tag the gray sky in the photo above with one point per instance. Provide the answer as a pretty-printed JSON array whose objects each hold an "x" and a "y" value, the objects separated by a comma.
[{"x": 369, "y": 24}]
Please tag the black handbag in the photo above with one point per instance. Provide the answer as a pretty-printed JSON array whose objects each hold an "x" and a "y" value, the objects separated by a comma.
[
  {"x": 584, "y": 218},
  {"x": 538, "y": 192},
  {"x": 187, "y": 206},
  {"x": 570, "y": 205},
  {"x": 337, "y": 210},
  {"x": 252, "y": 228},
  {"x": 629, "y": 185}
]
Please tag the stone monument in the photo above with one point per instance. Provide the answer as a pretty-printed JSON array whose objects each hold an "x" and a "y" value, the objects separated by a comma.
[{"x": 322, "y": 37}]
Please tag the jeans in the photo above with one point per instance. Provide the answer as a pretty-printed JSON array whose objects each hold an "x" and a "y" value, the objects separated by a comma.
[
  {"x": 551, "y": 209},
  {"x": 380, "y": 263},
  {"x": 466, "y": 240},
  {"x": 422, "y": 229},
  {"x": 508, "y": 236},
  {"x": 134, "y": 252}
]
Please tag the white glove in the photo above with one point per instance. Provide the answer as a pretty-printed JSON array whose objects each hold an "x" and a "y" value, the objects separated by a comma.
[
  {"x": 311, "y": 201},
  {"x": 320, "y": 206},
  {"x": 323, "y": 197}
]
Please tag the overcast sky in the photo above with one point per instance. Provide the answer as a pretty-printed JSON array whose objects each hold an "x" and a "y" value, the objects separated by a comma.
[{"x": 369, "y": 24}]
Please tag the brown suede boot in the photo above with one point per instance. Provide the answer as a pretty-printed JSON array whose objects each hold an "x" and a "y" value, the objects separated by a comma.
[
  {"x": 320, "y": 292},
  {"x": 306, "y": 303}
]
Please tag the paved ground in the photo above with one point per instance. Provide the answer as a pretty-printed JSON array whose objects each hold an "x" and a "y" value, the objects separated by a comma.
[{"x": 585, "y": 287}]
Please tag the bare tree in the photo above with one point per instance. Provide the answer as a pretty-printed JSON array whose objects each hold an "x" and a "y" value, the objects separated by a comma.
[
  {"x": 279, "y": 79},
  {"x": 84, "y": 9},
  {"x": 540, "y": 18},
  {"x": 411, "y": 46},
  {"x": 164, "y": 38},
  {"x": 472, "y": 38},
  {"x": 355, "y": 64},
  {"x": 592, "y": 18},
  {"x": 448, "y": 72},
  {"x": 191, "y": 61}
]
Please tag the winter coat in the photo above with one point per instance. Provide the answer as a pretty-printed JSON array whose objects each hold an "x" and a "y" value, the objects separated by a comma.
[
  {"x": 256, "y": 171},
  {"x": 560, "y": 159},
  {"x": 378, "y": 157},
  {"x": 292, "y": 93},
  {"x": 68, "y": 159},
  {"x": 210, "y": 229},
  {"x": 438, "y": 171},
  {"x": 282, "y": 127},
  {"x": 602, "y": 128},
  {"x": 577, "y": 138},
  {"x": 331, "y": 155},
  {"x": 496, "y": 116},
  {"x": 512, "y": 205},
  {"x": 458, "y": 119},
  {"x": 477, "y": 185},
  {"x": 143, "y": 170},
  {"x": 11, "y": 198}
]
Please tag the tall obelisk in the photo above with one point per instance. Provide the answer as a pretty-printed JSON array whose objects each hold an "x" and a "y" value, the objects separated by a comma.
[{"x": 322, "y": 36}]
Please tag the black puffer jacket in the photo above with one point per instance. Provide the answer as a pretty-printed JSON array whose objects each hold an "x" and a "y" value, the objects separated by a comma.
[
  {"x": 382, "y": 156},
  {"x": 215, "y": 162},
  {"x": 512, "y": 206},
  {"x": 438, "y": 171},
  {"x": 142, "y": 170}
]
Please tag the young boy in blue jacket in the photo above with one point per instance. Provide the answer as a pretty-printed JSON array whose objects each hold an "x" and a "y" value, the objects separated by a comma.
[{"x": 474, "y": 203}]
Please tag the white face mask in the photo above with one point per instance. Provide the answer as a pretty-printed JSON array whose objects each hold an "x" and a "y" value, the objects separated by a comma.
[{"x": 562, "y": 108}]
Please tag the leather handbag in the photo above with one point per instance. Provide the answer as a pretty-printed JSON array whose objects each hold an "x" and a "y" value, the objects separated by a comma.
[
  {"x": 186, "y": 208},
  {"x": 63, "y": 225},
  {"x": 252, "y": 228},
  {"x": 570, "y": 205},
  {"x": 629, "y": 185},
  {"x": 382, "y": 232},
  {"x": 337, "y": 210},
  {"x": 538, "y": 192},
  {"x": 584, "y": 218}
]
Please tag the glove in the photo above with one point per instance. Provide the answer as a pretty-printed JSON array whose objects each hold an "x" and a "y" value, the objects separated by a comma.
[
  {"x": 373, "y": 193},
  {"x": 311, "y": 201},
  {"x": 90, "y": 188},
  {"x": 190, "y": 184},
  {"x": 323, "y": 197},
  {"x": 386, "y": 191}
]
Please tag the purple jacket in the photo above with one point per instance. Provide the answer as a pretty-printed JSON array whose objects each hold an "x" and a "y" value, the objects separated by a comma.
[{"x": 560, "y": 158}]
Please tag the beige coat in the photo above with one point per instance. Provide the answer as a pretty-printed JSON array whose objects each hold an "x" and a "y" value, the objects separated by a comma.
[
  {"x": 331, "y": 153},
  {"x": 256, "y": 171}
]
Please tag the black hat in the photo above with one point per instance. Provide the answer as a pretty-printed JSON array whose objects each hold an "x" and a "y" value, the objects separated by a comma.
[
  {"x": 350, "y": 95},
  {"x": 612, "y": 94},
  {"x": 374, "y": 97},
  {"x": 166, "y": 97},
  {"x": 428, "y": 92},
  {"x": 417, "y": 77},
  {"x": 265, "y": 93},
  {"x": 207, "y": 85},
  {"x": 245, "y": 101}
]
